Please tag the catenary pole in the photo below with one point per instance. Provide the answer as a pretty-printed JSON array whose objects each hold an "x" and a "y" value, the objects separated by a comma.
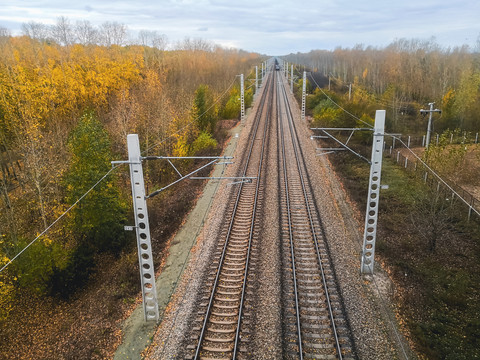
[
  {"x": 304, "y": 93},
  {"x": 371, "y": 216},
  {"x": 242, "y": 99},
  {"x": 142, "y": 229}
]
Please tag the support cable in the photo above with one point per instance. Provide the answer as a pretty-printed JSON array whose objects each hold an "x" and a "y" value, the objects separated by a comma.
[{"x": 58, "y": 219}]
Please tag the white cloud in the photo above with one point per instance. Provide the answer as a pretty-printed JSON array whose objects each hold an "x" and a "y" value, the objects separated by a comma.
[{"x": 272, "y": 27}]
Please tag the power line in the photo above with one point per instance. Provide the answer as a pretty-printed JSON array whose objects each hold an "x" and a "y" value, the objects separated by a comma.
[
  {"x": 104, "y": 176},
  {"x": 58, "y": 219}
]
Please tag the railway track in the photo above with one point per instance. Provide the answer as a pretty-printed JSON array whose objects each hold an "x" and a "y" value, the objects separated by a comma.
[
  {"x": 219, "y": 335},
  {"x": 314, "y": 324}
]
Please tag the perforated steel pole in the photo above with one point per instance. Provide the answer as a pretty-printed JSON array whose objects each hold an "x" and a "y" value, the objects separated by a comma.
[
  {"x": 304, "y": 94},
  {"x": 371, "y": 217},
  {"x": 242, "y": 99},
  {"x": 142, "y": 228},
  {"x": 291, "y": 79}
]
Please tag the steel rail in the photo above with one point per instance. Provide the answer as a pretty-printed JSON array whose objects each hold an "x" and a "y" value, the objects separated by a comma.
[
  {"x": 252, "y": 224},
  {"x": 224, "y": 250},
  {"x": 299, "y": 155},
  {"x": 290, "y": 231}
]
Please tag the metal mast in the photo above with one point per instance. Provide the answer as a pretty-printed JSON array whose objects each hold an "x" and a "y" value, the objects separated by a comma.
[
  {"x": 371, "y": 217},
  {"x": 142, "y": 229},
  {"x": 242, "y": 99},
  {"x": 304, "y": 93},
  {"x": 291, "y": 79}
]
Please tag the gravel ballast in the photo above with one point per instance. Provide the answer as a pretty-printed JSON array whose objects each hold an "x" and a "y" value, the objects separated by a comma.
[{"x": 367, "y": 308}]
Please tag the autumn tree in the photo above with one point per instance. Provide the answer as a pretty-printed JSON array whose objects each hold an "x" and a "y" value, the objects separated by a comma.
[
  {"x": 97, "y": 220},
  {"x": 113, "y": 33},
  {"x": 404, "y": 76},
  {"x": 35, "y": 30},
  {"x": 85, "y": 33},
  {"x": 96, "y": 223},
  {"x": 204, "y": 110},
  {"x": 46, "y": 165},
  {"x": 62, "y": 32}
]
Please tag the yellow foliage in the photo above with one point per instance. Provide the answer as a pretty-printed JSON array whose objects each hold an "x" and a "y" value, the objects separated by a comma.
[
  {"x": 365, "y": 73},
  {"x": 448, "y": 98},
  {"x": 181, "y": 147},
  {"x": 44, "y": 83},
  {"x": 46, "y": 240}
]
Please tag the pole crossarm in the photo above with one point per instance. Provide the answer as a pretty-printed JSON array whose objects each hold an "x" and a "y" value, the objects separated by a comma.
[
  {"x": 343, "y": 129},
  {"x": 156, "y": 192},
  {"x": 185, "y": 157},
  {"x": 330, "y": 149},
  {"x": 223, "y": 177},
  {"x": 343, "y": 144}
]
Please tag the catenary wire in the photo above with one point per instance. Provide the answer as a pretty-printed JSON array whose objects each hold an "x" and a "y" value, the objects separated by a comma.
[{"x": 60, "y": 217}]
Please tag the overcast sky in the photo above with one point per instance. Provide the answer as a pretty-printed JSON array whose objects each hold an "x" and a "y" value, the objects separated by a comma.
[{"x": 269, "y": 27}]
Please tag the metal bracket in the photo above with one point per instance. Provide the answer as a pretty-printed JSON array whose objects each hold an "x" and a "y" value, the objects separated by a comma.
[
  {"x": 328, "y": 135},
  {"x": 242, "y": 179},
  {"x": 182, "y": 177}
]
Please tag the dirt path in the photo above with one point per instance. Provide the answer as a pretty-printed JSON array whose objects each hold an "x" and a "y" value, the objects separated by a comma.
[{"x": 138, "y": 334}]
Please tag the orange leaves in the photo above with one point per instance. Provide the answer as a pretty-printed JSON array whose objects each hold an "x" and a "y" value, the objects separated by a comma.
[
  {"x": 365, "y": 73},
  {"x": 46, "y": 81}
]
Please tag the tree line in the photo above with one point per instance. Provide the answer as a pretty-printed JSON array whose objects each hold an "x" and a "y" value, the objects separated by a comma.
[
  {"x": 65, "y": 32},
  {"x": 66, "y": 107},
  {"x": 404, "y": 77}
]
